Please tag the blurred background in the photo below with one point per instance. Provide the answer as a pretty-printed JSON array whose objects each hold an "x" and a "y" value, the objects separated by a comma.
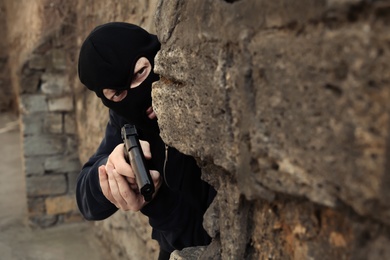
[{"x": 39, "y": 218}]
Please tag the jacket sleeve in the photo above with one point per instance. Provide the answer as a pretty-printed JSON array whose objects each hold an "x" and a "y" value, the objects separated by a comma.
[{"x": 92, "y": 204}]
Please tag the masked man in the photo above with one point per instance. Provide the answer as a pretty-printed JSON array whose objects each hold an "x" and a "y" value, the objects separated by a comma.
[{"x": 116, "y": 62}]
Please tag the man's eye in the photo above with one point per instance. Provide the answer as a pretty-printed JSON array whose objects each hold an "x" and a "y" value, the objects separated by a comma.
[
  {"x": 140, "y": 72},
  {"x": 118, "y": 93},
  {"x": 115, "y": 95}
]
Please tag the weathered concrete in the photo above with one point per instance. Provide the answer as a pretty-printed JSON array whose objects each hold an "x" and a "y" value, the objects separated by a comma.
[
  {"x": 286, "y": 98},
  {"x": 286, "y": 113}
]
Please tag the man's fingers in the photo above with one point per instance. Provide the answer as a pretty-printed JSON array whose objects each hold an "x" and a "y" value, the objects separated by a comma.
[
  {"x": 146, "y": 149},
  {"x": 103, "y": 179},
  {"x": 133, "y": 184},
  {"x": 131, "y": 180},
  {"x": 156, "y": 178},
  {"x": 116, "y": 194},
  {"x": 130, "y": 199},
  {"x": 117, "y": 160},
  {"x": 124, "y": 188},
  {"x": 118, "y": 181}
]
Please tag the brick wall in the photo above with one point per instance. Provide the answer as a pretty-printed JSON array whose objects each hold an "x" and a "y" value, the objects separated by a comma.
[{"x": 49, "y": 135}]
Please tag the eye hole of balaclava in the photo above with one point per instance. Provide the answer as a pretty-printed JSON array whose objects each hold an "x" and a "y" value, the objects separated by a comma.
[{"x": 142, "y": 69}]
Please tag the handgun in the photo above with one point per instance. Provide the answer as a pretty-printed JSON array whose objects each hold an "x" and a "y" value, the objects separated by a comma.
[{"x": 135, "y": 157}]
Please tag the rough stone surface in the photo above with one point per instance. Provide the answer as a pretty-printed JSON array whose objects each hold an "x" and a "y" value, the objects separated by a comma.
[
  {"x": 60, "y": 204},
  {"x": 72, "y": 181},
  {"x": 187, "y": 254},
  {"x": 53, "y": 123},
  {"x": 70, "y": 124},
  {"x": 133, "y": 228},
  {"x": 62, "y": 164},
  {"x": 34, "y": 165},
  {"x": 61, "y": 104},
  {"x": 55, "y": 84},
  {"x": 33, "y": 124},
  {"x": 37, "y": 145},
  {"x": 33, "y": 103},
  {"x": 290, "y": 98},
  {"x": 46, "y": 185}
]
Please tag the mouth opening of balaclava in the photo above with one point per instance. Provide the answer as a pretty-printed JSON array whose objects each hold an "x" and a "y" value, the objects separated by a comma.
[{"x": 107, "y": 60}]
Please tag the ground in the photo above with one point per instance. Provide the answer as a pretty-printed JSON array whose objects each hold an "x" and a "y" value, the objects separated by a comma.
[{"x": 18, "y": 241}]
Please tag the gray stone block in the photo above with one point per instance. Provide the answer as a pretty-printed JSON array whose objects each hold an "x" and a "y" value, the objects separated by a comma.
[
  {"x": 33, "y": 123},
  {"x": 46, "y": 185},
  {"x": 61, "y": 104},
  {"x": 30, "y": 81},
  {"x": 62, "y": 164},
  {"x": 58, "y": 59},
  {"x": 72, "y": 180},
  {"x": 53, "y": 123},
  {"x": 37, "y": 62},
  {"x": 55, "y": 84},
  {"x": 71, "y": 145},
  {"x": 70, "y": 123},
  {"x": 34, "y": 165},
  {"x": 43, "y": 145},
  {"x": 33, "y": 103},
  {"x": 45, "y": 221}
]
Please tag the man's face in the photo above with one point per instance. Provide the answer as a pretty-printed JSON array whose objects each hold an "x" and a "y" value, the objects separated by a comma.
[{"x": 142, "y": 70}]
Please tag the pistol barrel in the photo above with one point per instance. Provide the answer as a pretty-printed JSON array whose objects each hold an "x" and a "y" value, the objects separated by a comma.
[{"x": 137, "y": 161}]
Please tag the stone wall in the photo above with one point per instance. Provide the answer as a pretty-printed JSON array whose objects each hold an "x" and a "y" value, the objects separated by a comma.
[
  {"x": 38, "y": 70},
  {"x": 49, "y": 136},
  {"x": 286, "y": 103},
  {"x": 283, "y": 103}
]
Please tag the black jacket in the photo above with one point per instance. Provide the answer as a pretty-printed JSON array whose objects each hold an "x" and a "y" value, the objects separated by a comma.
[{"x": 176, "y": 213}]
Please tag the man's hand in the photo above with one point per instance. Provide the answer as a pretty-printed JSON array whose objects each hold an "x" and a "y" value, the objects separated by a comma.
[{"x": 118, "y": 183}]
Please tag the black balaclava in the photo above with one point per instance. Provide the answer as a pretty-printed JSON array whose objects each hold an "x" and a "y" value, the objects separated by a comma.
[{"x": 107, "y": 60}]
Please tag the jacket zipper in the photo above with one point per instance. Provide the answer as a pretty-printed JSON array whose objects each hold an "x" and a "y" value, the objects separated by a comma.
[{"x": 165, "y": 164}]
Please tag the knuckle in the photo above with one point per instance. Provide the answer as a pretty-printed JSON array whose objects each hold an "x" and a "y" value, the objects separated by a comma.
[
  {"x": 126, "y": 195},
  {"x": 134, "y": 208}
]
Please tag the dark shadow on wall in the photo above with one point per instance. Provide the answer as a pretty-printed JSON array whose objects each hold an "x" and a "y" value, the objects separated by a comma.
[
  {"x": 386, "y": 172},
  {"x": 7, "y": 97},
  {"x": 231, "y": 1}
]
